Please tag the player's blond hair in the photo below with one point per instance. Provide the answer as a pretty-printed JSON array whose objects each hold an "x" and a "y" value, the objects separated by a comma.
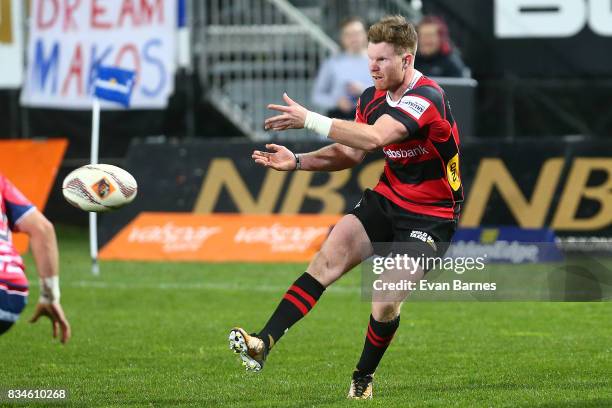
[{"x": 394, "y": 30}]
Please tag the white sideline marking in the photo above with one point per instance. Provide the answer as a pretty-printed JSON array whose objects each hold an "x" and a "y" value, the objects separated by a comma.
[{"x": 187, "y": 286}]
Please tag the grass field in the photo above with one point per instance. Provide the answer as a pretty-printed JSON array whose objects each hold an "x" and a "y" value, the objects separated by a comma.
[{"x": 148, "y": 334}]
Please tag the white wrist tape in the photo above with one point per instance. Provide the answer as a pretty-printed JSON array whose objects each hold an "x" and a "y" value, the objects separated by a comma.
[
  {"x": 318, "y": 123},
  {"x": 49, "y": 290}
]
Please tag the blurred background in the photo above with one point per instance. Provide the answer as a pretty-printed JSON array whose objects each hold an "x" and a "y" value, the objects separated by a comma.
[{"x": 530, "y": 83}]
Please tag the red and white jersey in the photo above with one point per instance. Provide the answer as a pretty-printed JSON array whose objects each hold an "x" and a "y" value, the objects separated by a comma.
[
  {"x": 13, "y": 207},
  {"x": 421, "y": 172}
]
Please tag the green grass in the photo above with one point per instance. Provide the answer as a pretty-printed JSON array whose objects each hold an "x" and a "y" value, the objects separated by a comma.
[{"x": 155, "y": 334}]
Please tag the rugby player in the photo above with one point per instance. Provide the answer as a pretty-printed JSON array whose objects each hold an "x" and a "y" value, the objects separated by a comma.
[
  {"x": 19, "y": 215},
  {"x": 417, "y": 199}
]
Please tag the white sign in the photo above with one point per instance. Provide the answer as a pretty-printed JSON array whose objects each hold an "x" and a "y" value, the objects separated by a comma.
[
  {"x": 414, "y": 105},
  {"x": 70, "y": 39},
  {"x": 551, "y": 18},
  {"x": 11, "y": 44}
]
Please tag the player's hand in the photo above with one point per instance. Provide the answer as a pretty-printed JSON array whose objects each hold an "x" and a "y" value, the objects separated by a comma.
[
  {"x": 293, "y": 115},
  {"x": 278, "y": 157},
  {"x": 59, "y": 322}
]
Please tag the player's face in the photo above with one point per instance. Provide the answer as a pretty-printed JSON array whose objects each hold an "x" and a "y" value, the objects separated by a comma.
[{"x": 386, "y": 66}]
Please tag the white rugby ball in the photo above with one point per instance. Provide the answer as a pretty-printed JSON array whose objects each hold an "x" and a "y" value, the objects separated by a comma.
[{"x": 99, "y": 187}]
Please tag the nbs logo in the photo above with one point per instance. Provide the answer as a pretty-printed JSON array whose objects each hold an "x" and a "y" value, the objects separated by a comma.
[
  {"x": 558, "y": 188},
  {"x": 551, "y": 18}
]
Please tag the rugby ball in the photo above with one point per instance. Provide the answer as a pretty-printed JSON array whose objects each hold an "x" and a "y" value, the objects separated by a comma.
[{"x": 99, "y": 187}]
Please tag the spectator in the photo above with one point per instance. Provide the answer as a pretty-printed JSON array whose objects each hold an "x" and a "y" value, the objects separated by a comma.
[
  {"x": 343, "y": 77},
  {"x": 435, "y": 54}
]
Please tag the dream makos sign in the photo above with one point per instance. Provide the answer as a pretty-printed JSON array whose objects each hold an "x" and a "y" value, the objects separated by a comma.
[{"x": 69, "y": 39}]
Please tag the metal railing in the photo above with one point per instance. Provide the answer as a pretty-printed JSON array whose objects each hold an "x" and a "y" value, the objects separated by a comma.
[
  {"x": 329, "y": 14},
  {"x": 251, "y": 51}
]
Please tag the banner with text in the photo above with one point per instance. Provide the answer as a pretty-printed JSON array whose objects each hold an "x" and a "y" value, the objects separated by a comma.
[
  {"x": 69, "y": 40},
  {"x": 11, "y": 43},
  {"x": 220, "y": 237},
  {"x": 563, "y": 186}
]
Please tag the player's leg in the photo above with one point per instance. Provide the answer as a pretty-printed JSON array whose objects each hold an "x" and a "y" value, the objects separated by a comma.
[
  {"x": 384, "y": 322},
  {"x": 419, "y": 237},
  {"x": 347, "y": 245}
]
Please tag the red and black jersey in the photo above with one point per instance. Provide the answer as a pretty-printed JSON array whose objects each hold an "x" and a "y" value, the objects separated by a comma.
[{"x": 421, "y": 173}]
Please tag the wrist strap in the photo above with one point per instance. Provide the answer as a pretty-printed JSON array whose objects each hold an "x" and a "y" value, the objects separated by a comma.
[
  {"x": 298, "y": 162},
  {"x": 318, "y": 123},
  {"x": 49, "y": 290}
]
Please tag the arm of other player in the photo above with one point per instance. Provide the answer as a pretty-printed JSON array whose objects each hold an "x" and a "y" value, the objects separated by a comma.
[
  {"x": 384, "y": 131},
  {"x": 43, "y": 243}
]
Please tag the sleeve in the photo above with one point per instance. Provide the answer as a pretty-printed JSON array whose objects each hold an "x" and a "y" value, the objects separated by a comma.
[
  {"x": 414, "y": 112},
  {"x": 17, "y": 205},
  {"x": 321, "y": 92}
]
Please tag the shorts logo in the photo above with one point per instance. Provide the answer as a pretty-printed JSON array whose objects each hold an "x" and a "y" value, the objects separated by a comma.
[
  {"x": 452, "y": 172},
  {"x": 413, "y": 105},
  {"x": 423, "y": 236},
  {"x": 102, "y": 188}
]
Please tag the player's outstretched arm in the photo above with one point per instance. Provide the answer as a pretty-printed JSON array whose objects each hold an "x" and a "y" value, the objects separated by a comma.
[
  {"x": 277, "y": 157},
  {"x": 44, "y": 249},
  {"x": 333, "y": 157},
  {"x": 360, "y": 136}
]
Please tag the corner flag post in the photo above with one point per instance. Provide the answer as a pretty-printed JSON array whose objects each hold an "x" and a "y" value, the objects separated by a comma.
[
  {"x": 93, "y": 217},
  {"x": 115, "y": 85}
]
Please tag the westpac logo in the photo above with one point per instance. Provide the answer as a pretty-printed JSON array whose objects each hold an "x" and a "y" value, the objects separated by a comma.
[
  {"x": 406, "y": 153},
  {"x": 551, "y": 18}
]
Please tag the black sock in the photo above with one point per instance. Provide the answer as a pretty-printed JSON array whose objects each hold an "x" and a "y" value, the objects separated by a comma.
[
  {"x": 378, "y": 338},
  {"x": 299, "y": 299}
]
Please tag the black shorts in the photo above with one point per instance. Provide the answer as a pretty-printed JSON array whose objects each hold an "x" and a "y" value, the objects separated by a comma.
[{"x": 392, "y": 229}]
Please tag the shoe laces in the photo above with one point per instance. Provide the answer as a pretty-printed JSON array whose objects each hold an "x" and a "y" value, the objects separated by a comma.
[{"x": 361, "y": 384}]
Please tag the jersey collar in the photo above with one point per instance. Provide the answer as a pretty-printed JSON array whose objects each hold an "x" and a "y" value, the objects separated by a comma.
[{"x": 415, "y": 78}]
